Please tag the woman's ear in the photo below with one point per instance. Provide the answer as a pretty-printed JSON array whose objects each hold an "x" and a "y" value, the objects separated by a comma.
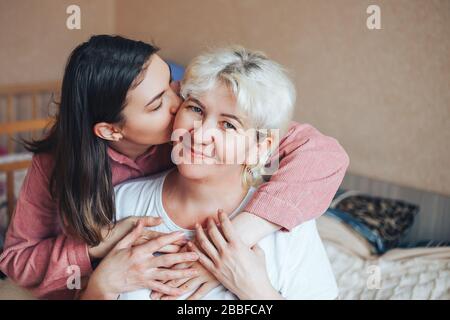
[
  {"x": 107, "y": 131},
  {"x": 265, "y": 147},
  {"x": 259, "y": 151}
]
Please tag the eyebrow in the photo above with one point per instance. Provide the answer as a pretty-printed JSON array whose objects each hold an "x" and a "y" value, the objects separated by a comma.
[
  {"x": 159, "y": 95},
  {"x": 232, "y": 116}
]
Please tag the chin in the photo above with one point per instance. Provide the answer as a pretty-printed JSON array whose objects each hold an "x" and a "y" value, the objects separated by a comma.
[{"x": 196, "y": 171}]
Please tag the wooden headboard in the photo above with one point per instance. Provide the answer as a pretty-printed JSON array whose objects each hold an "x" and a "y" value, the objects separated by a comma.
[{"x": 13, "y": 122}]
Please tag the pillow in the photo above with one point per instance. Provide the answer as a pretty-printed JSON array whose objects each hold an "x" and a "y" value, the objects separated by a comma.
[
  {"x": 176, "y": 70},
  {"x": 382, "y": 221}
]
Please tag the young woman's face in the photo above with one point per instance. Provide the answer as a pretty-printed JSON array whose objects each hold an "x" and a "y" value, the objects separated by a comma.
[
  {"x": 151, "y": 107},
  {"x": 215, "y": 140}
]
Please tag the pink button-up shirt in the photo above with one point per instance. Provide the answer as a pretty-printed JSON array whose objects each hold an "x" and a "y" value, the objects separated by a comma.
[{"x": 37, "y": 253}]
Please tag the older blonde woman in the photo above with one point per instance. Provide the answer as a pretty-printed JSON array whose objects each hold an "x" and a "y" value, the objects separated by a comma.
[{"x": 237, "y": 104}]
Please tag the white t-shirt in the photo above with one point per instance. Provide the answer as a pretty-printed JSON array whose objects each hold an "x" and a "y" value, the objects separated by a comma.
[{"x": 296, "y": 261}]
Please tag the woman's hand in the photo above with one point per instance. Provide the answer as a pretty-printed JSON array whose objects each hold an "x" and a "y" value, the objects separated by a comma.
[
  {"x": 240, "y": 269},
  {"x": 112, "y": 236},
  {"x": 130, "y": 267},
  {"x": 202, "y": 283}
]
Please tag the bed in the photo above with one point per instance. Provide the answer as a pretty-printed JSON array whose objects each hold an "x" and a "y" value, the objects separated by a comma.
[
  {"x": 414, "y": 273},
  {"x": 25, "y": 111}
]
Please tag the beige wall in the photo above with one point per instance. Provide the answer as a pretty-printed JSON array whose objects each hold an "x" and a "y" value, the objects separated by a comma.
[
  {"x": 35, "y": 41},
  {"x": 383, "y": 94}
]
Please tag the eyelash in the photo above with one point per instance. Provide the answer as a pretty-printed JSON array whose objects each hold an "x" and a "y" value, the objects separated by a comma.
[
  {"x": 233, "y": 127},
  {"x": 201, "y": 112},
  {"x": 195, "y": 107},
  {"x": 160, "y": 105}
]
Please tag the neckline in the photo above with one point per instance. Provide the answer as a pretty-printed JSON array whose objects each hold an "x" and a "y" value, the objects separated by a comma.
[{"x": 176, "y": 227}]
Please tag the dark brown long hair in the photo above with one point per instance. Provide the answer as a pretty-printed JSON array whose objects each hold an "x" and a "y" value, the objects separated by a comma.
[{"x": 96, "y": 80}]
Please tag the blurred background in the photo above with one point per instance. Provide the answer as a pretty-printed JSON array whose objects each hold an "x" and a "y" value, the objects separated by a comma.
[{"x": 384, "y": 94}]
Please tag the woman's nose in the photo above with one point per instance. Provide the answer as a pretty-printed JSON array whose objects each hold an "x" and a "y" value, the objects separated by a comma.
[
  {"x": 175, "y": 106},
  {"x": 203, "y": 133}
]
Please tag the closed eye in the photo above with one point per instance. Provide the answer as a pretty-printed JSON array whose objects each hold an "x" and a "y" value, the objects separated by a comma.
[{"x": 159, "y": 106}]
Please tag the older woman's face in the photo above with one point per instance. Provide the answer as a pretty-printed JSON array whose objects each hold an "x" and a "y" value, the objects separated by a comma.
[{"x": 211, "y": 135}]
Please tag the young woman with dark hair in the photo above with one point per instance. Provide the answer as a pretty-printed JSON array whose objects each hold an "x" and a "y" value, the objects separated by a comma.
[{"x": 114, "y": 124}]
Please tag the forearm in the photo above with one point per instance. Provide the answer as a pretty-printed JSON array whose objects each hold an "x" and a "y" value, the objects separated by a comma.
[
  {"x": 37, "y": 255},
  {"x": 95, "y": 294},
  {"x": 252, "y": 228},
  {"x": 43, "y": 267},
  {"x": 95, "y": 291}
]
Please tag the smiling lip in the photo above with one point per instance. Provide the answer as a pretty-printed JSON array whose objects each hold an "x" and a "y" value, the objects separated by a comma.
[
  {"x": 199, "y": 154},
  {"x": 196, "y": 153}
]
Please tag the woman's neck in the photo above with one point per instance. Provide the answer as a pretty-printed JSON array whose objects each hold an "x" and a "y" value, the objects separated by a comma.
[
  {"x": 188, "y": 201},
  {"x": 131, "y": 150}
]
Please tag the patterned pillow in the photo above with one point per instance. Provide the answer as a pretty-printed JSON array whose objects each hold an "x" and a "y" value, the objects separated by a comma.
[{"x": 382, "y": 221}]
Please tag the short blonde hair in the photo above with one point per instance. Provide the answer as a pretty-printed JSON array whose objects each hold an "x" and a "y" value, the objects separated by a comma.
[{"x": 261, "y": 87}]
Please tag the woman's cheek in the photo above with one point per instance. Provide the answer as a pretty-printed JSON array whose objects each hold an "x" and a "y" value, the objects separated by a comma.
[
  {"x": 242, "y": 149},
  {"x": 147, "y": 130},
  {"x": 186, "y": 121},
  {"x": 181, "y": 119},
  {"x": 231, "y": 149}
]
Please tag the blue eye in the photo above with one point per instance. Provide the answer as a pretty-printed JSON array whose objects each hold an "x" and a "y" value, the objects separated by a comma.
[
  {"x": 196, "y": 109},
  {"x": 228, "y": 125}
]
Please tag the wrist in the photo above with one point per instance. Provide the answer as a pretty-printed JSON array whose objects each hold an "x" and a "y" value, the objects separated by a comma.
[
  {"x": 259, "y": 227},
  {"x": 94, "y": 253},
  {"x": 95, "y": 291},
  {"x": 93, "y": 294}
]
